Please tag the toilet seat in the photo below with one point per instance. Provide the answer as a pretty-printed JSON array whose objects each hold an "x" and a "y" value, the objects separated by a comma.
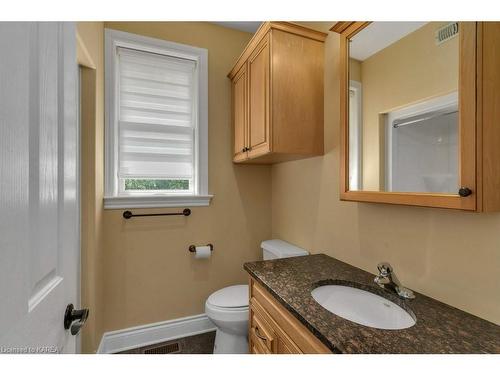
[
  {"x": 223, "y": 314},
  {"x": 232, "y": 298},
  {"x": 226, "y": 309},
  {"x": 229, "y": 304}
]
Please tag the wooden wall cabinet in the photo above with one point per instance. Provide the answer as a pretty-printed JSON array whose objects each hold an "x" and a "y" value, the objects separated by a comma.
[
  {"x": 479, "y": 123},
  {"x": 277, "y": 95},
  {"x": 273, "y": 330}
]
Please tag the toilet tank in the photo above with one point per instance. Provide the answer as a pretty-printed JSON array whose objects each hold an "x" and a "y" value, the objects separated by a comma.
[{"x": 274, "y": 249}]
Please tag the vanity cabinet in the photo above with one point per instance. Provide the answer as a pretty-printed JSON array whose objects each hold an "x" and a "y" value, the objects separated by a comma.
[
  {"x": 277, "y": 95},
  {"x": 420, "y": 120},
  {"x": 273, "y": 330}
]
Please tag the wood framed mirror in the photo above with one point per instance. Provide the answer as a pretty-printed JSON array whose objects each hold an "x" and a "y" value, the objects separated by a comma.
[{"x": 408, "y": 113}]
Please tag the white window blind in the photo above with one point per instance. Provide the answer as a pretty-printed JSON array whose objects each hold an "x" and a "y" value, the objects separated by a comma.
[
  {"x": 157, "y": 116},
  {"x": 156, "y": 135}
]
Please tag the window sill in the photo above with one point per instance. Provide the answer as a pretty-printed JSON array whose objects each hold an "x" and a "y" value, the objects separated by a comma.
[{"x": 156, "y": 201}]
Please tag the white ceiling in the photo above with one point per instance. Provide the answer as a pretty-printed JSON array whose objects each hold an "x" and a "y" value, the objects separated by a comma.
[
  {"x": 379, "y": 35},
  {"x": 248, "y": 26}
]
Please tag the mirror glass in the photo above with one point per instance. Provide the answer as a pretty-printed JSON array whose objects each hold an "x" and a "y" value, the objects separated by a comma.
[{"x": 403, "y": 107}]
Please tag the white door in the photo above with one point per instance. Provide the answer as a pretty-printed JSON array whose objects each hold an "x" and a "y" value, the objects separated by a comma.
[{"x": 39, "y": 243}]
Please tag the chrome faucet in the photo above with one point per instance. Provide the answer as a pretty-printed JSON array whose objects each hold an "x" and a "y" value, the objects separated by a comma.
[{"x": 387, "y": 279}]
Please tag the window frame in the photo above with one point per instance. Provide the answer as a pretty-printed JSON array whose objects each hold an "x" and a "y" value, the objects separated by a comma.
[{"x": 113, "y": 196}]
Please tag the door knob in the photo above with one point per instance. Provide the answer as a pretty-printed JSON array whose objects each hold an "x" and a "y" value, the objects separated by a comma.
[
  {"x": 75, "y": 319},
  {"x": 464, "y": 192}
]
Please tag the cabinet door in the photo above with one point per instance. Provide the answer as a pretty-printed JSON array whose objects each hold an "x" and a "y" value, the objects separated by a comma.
[
  {"x": 240, "y": 113},
  {"x": 283, "y": 348},
  {"x": 286, "y": 345},
  {"x": 258, "y": 80},
  {"x": 255, "y": 348}
]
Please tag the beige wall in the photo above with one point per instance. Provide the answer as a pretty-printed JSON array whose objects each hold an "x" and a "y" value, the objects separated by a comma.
[
  {"x": 409, "y": 71},
  {"x": 449, "y": 255},
  {"x": 355, "y": 70},
  {"x": 149, "y": 274},
  {"x": 91, "y": 53}
]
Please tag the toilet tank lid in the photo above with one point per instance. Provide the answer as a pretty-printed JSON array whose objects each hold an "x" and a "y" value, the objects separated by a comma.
[
  {"x": 231, "y": 296},
  {"x": 282, "y": 249}
]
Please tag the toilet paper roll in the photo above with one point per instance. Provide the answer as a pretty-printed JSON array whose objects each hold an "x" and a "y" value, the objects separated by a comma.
[{"x": 202, "y": 252}]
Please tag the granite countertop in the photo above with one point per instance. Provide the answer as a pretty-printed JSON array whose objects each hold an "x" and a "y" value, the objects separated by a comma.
[{"x": 440, "y": 328}]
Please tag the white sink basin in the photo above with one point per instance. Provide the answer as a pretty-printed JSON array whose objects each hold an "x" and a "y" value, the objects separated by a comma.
[{"x": 362, "y": 307}]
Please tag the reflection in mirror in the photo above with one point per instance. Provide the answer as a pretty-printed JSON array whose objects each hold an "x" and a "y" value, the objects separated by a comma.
[{"x": 403, "y": 107}]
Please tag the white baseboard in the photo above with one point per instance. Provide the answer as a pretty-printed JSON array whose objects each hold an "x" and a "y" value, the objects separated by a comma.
[{"x": 135, "y": 337}]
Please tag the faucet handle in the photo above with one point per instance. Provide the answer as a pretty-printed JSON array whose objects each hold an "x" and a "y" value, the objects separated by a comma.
[{"x": 384, "y": 268}]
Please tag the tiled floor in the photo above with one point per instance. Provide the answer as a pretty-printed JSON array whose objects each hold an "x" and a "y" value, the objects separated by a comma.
[{"x": 199, "y": 344}]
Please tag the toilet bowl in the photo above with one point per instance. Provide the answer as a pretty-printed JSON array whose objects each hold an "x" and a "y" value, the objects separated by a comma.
[{"x": 227, "y": 308}]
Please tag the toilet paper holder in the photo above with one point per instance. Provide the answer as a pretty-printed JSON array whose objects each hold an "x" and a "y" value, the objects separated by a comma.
[{"x": 192, "y": 248}]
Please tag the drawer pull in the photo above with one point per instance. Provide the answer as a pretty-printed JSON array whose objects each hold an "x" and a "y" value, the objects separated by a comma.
[{"x": 257, "y": 333}]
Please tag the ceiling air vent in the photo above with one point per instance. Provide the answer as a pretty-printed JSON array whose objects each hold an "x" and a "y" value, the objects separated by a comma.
[
  {"x": 163, "y": 349},
  {"x": 446, "y": 32}
]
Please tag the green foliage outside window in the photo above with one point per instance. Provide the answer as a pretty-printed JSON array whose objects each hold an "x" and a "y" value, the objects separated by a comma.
[{"x": 135, "y": 184}]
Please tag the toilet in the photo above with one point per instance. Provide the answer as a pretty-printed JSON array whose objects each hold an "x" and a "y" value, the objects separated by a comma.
[{"x": 227, "y": 308}]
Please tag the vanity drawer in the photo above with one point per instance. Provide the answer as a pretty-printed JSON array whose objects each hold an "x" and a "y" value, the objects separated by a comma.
[
  {"x": 261, "y": 335},
  {"x": 291, "y": 334}
]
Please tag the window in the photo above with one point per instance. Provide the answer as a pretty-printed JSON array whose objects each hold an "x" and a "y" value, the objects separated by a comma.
[{"x": 156, "y": 123}]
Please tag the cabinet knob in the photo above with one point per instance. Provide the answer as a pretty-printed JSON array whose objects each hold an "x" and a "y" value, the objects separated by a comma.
[{"x": 464, "y": 192}]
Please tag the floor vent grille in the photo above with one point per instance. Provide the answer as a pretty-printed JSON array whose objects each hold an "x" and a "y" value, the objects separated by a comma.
[{"x": 171, "y": 348}]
